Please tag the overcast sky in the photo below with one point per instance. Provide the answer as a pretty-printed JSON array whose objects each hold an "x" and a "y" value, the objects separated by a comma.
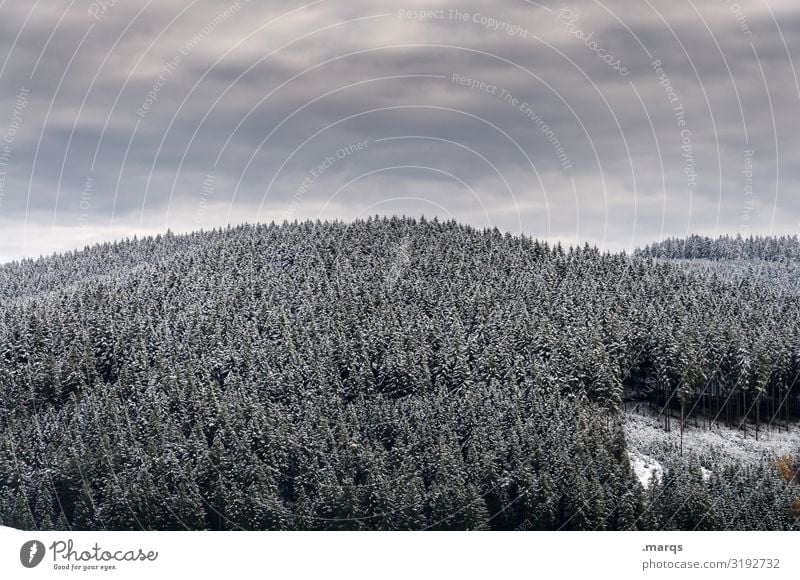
[{"x": 612, "y": 122}]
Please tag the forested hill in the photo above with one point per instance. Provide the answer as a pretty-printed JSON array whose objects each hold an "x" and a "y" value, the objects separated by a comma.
[
  {"x": 770, "y": 261},
  {"x": 383, "y": 374},
  {"x": 773, "y": 249}
]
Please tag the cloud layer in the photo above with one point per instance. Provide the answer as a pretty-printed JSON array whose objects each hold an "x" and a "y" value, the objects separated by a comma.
[{"x": 611, "y": 122}]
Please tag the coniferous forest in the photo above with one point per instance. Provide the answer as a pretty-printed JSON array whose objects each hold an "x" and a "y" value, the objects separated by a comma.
[{"x": 393, "y": 374}]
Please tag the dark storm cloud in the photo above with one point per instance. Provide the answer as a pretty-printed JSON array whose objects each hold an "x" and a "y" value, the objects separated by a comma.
[{"x": 549, "y": 118}]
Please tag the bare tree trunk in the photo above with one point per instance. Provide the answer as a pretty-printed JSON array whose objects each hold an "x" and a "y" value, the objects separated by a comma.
[
  {"x": 758, "y": 414},
  {"x": 705, "y": 401},
  {"x": 744, "y": 417},
  {"x": 727, "y": 405},
  {"x": 788, "y": 398}
]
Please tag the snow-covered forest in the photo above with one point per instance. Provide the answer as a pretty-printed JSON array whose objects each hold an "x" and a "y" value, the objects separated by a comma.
[
  {"x": 774, "y": 249},
  {"x": 398, "y": 374}
]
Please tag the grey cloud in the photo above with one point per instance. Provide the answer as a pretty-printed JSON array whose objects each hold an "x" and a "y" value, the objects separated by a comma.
[{"x": 621, "y": 151}]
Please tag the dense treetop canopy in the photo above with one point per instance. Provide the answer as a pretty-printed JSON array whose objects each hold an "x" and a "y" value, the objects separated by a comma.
[{"x": 382, "y": 374}]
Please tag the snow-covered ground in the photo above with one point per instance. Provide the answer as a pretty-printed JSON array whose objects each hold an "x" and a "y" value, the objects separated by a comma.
[
  {"x": 649, "y": 445},
  {"x": 644, "y": 467}
]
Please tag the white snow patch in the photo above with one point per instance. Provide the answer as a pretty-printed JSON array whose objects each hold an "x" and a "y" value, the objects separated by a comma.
[
  {"x": 644, "y": 467},
  {"x": 713, "y": 446}
]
